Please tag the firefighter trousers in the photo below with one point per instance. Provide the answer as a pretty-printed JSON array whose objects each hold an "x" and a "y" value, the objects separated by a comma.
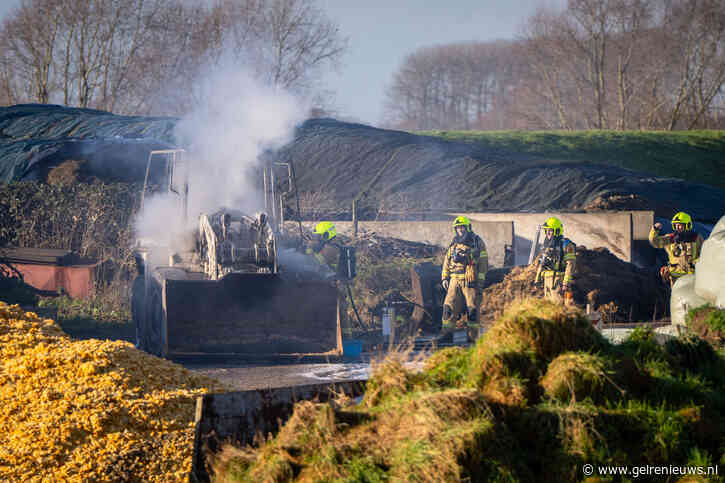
[
  {"x": 553, "y": 288},
  {"x": 460, "y": 298}
]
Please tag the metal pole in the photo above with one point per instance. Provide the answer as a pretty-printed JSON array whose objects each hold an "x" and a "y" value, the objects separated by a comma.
[
  {"x": 354, "y": 218},
  {"x": 273, "y": 201},
  {"x": 281, "y": 211},
  {"x": 266, "y": 188}
]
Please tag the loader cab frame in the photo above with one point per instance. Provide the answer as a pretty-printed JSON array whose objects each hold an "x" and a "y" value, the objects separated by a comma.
[{"x": 169, "y": 170}]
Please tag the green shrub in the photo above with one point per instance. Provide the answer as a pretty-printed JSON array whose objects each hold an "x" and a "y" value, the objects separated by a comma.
[{"x": 92, "y": 220}]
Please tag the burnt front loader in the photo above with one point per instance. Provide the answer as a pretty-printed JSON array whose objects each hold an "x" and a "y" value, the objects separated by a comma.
[{"x": 221, "y": 290}]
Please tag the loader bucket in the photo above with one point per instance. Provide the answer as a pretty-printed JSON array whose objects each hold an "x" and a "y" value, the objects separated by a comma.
[{"x": 250, "y": 314}]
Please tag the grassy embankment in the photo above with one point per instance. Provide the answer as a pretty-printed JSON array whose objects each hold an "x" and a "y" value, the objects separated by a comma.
[
  {"x": 538, "y": 397},
  {"x": 697, "y": 156}
]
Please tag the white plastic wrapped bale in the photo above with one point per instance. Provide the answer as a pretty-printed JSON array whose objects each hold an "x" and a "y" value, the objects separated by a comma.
[
  {"x": 719, "y": 226},
  {"x": 709, "y": 279},
  {"x": 684, "y": 298}
]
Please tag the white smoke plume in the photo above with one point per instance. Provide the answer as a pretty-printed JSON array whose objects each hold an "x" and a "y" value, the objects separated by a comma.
[{"x": 235, "y": 119}]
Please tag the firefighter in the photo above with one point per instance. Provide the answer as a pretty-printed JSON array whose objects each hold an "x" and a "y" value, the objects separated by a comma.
[
  {"x": 556, "y": 263},
  {"x": 683, "y": 247},
  {"x": 324, "y": 247},
  {"x": 464, "y": 271},
  {"x": 326, "y": 250}
]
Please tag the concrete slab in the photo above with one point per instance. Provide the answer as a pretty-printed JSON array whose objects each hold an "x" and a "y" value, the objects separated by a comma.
[
  {"x": 618, "y": 335},
  {"x": 642, "y": 221}
]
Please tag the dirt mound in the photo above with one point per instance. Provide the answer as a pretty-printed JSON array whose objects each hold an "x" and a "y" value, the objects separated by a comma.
[
  {"x": 619, "y": 289},
  {"x": 618, "y": 202}
]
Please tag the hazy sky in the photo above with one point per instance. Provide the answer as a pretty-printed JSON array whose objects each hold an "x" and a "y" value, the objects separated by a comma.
[{"x": 383, "y": 32}]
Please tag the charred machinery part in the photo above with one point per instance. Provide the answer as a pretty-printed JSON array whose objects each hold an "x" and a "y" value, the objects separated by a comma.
[{"x": 231, "y": 241}]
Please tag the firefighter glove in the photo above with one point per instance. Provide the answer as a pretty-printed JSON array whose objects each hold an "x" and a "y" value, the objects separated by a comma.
[
  {"x": 665, "y": 273},
  {"x": 445, "y": 283}
]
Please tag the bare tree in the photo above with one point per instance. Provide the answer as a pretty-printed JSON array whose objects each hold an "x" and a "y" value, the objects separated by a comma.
[
  {"x": 143, "y": 56},
  {"x": 298, "y": 39},
  {"x": 624, "y": 64},
  {"x": 29, "y": 46},
  {"x": 546, "y": 89},
  {"x": 698, "y": 28},
  {"x": 454, "y": 86}
]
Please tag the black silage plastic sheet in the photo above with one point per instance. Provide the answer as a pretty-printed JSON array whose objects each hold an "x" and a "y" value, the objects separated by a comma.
[
  {"x": 343, "y": 160},
  {"x": 32, "y": 134},
  {"x": 423, "y": 172}
]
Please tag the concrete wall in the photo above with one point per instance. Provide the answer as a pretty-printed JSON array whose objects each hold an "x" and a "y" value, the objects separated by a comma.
[
  {"x": 643, "y": 254},
  {"x": 624, "y": 233},
  {"x": 609, "y": 229},
  {"x": 642, "y": 221},
  {"x": 496, "y": 233}
]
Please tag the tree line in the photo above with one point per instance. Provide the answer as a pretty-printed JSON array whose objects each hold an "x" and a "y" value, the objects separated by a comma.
[
  {"x": 597, "y": 64},
  {"x": 145, "y": 56}
]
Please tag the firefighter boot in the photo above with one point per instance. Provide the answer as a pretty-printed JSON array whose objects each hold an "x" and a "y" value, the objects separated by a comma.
[
  {"x": 473, "y": 327},
  {"x": 447, "y": 324}
]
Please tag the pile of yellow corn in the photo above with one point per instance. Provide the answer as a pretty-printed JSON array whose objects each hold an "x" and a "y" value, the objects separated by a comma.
[{"x": 90, "y": 410}]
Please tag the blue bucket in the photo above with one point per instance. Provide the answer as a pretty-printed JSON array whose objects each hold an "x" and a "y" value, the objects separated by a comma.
[{"x": 351, "y": 349}]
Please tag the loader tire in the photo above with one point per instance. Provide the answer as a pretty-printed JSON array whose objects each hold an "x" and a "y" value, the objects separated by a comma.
[
  {"x": 154, "y": 319},
  {"x": 138, "y": 309}
]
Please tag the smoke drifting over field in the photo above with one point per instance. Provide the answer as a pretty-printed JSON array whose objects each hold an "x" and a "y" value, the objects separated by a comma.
[{"x": 235, "y": 119}]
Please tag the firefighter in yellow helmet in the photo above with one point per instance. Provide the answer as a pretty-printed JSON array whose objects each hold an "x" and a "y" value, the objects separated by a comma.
[
  {"x": 464, "y": 271},
  {"x": 323, "y": 246},
  {"x": 329, "y": 253},
  {"x": 683, "y": 247},
  {"x": 556, "y": 263}
]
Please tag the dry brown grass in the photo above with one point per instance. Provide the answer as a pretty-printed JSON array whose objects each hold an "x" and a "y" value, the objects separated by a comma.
[
  {"x": 392, "y": 377},
  {"x": 578, "y": 431},
  {"x": 67, "y": 172},
  {"x": 508, "y": 361},
  {"x": 573, "y": 377}
]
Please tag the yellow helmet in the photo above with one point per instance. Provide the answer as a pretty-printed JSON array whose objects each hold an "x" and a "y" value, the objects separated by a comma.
[
  {"x": 683, "y": 218},
  {"x": 555, "y": 224},
  {"x": 326, "y": 229},
  {"x": 462, "y": 221}
]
